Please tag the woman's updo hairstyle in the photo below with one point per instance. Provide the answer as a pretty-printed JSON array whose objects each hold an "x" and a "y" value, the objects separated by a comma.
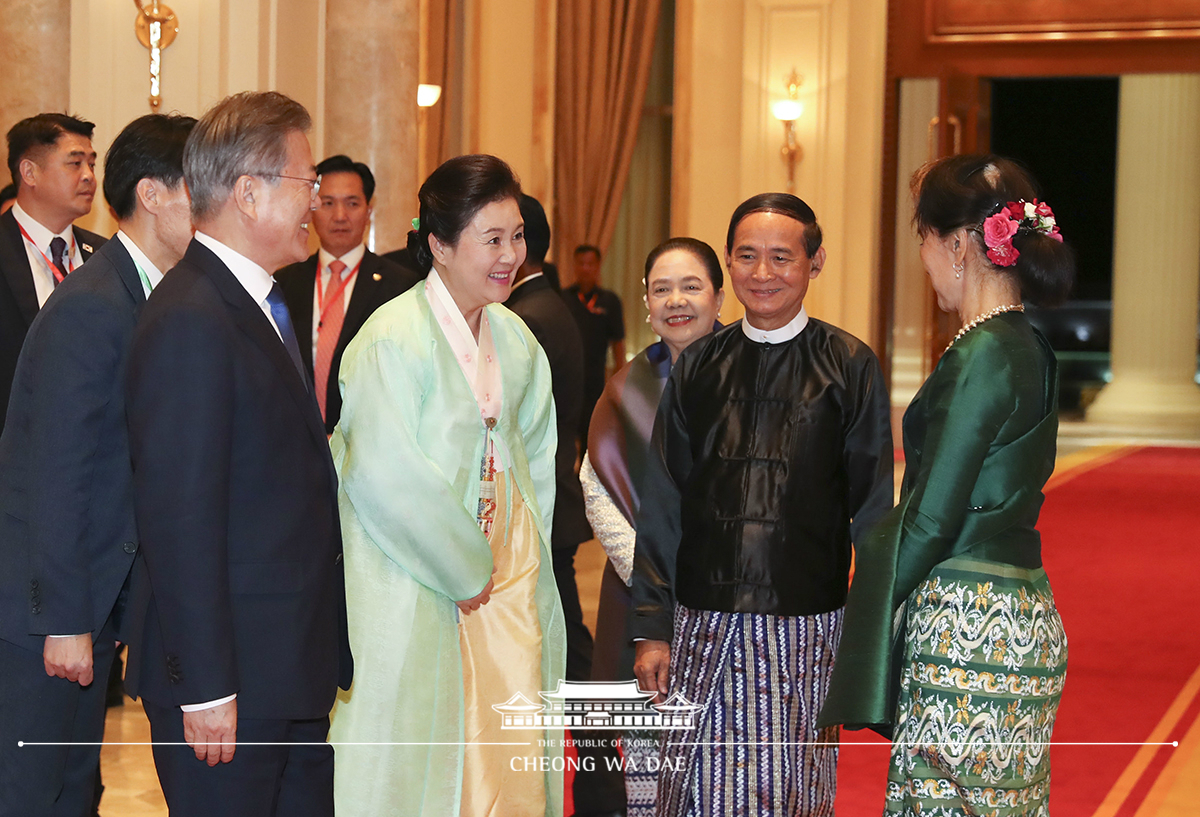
[
  {"x": 703, "y": 253},
  {"x": 961, "y": 191},
  {"x": 451, "y": 197}
]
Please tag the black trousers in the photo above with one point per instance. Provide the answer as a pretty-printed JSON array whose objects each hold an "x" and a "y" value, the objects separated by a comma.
[
  {"x": 57, "y": 780},
  {"x": 579, "y": 640},
  {"x": 601, "y": 790},
  {"x": 290, "y": 778}
]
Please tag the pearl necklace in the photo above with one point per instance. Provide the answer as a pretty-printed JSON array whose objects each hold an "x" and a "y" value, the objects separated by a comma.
[{"x": 981, "y": 318}]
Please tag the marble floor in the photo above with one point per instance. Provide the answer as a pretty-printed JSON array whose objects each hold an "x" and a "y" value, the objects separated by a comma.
[{"x": 131, "y": 786}]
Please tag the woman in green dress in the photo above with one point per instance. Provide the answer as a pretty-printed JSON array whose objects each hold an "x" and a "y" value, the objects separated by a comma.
[
  {"x": 445, "y": 458},
  {"x": 952, "y": 645}
]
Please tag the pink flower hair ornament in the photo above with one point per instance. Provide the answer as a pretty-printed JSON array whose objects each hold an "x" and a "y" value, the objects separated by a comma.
[{"x": 998, "y": 229}]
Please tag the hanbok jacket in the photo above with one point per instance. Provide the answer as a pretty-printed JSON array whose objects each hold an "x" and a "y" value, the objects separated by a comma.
[{"x": 407, "y": 451}]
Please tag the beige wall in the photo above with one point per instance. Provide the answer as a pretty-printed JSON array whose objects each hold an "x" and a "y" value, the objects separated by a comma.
[
  {"x": 510, "y": 88},
  {"x": 224, "y": 46},
  {"x": 731, "y": 61}
]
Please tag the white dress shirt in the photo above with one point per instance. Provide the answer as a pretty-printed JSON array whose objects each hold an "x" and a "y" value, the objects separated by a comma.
[{"x": 39, "y": 251}]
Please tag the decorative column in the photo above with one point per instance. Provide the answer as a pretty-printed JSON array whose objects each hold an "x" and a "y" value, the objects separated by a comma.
[
  {"x": 35, "y": 60},
  {"x": 1156, "y": 258},
  {"x": 372, "y": 59}
]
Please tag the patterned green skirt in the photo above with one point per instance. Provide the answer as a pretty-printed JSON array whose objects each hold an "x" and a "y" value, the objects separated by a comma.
[{"x": 984, "y": 663}]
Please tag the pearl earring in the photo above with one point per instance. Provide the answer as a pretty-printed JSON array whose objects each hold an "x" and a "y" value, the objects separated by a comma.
[{"x": 958, "y": 269}]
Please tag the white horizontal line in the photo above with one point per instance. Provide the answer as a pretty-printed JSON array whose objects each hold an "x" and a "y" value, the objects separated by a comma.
[
  {"x": 24, "y": 743},
  {"x": 1173, "y": 744}
]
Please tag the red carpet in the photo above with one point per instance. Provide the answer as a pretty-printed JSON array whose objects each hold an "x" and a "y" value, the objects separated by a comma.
[
  {"x": 1121, "y": 543},
  {"x": 1120, "y": 546}
]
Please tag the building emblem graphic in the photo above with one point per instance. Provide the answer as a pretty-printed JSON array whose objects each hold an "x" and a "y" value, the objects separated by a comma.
[{"x": 597, "y": 705}]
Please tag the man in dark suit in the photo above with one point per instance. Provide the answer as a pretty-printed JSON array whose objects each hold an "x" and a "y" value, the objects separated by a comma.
[
  {"x": 236, "y": 619},
  {"x": 67, "y": 531},
  {"x": 337, "y": 289},
  {"x": 597, "y": 789},
  {"x": 547, "y": 317},
  {"x": 404, "y": 258},
  {"x": 52, "y": 163}
]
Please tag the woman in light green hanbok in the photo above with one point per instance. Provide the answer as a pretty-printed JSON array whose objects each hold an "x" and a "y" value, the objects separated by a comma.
[{"x": 445, "y": 454}]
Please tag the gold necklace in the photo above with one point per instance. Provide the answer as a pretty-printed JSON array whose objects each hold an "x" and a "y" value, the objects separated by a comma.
[{"x": 981, "y": 318}]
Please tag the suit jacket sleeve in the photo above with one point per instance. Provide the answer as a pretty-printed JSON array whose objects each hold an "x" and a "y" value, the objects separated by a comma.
[
  {"x": 78, "y": 354},
  {"x": 180, "y": 405},
  {"x": 403, "y": 498},
  {"x": 659, "y": 521}
]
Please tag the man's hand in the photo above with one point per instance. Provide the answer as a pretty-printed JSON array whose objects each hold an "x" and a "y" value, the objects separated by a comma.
[
  {"x": 212, "y": 733},
  {"x": 651, "y": 665},
  {"x": 69, "y": 657},
  {"x": 468, "y": 605}
]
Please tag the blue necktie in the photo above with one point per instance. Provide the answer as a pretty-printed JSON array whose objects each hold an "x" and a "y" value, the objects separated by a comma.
[{"x": 283, "y": 320}]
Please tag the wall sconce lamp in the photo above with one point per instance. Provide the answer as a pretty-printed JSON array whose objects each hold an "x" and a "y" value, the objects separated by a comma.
[
  {"x": 788, "y": 111},
  {"x": 428, "y": 95},
  {"x": 156, "y": 28}
]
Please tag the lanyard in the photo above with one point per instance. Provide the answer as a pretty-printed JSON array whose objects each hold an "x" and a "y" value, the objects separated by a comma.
[
  {"x": 144, "y": 277},
  {"x": 322, "y": 302},
  {"x": 590, "y": 303},
  {"x": 58, "y": 276}
]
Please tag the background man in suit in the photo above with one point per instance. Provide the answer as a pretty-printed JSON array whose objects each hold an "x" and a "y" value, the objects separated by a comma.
[
  {"x": 338, "y": 288},
  {"x": 548, "y": 318},
  {"x": 52, "y": 163},
  {"x": 67, "y": 532},
  {"x": 236, "y": 619},
  {"x": 599, "y": 791}
]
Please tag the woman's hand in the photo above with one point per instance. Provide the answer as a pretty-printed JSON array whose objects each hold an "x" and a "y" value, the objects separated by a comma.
[{"x": 469, "y": 605}]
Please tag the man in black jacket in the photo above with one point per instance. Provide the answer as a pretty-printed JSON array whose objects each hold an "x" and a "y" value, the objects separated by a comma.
[{"x": 771, "y": 454}]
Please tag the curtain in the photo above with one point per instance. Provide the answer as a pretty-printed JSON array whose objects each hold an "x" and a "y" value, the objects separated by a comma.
[{"x": 604, "y": 52}]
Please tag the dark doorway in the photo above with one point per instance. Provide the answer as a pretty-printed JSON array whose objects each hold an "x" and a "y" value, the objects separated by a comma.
[{"x": 1065, "y": 132}]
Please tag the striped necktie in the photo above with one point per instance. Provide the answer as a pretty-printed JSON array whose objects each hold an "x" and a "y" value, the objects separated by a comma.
[{"x": 329, "y": 328}]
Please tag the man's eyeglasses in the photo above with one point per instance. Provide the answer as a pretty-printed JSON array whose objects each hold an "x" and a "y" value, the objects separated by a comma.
[{"x": 316, "y": 183}]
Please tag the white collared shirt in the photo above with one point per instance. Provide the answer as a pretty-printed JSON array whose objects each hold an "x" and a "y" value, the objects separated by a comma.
[
  {"x": 324, "y": 258},
  {"x": 781, "y": 335},
  {"x": 144, "y": 264},
  {"x": 253, "y": 278},
  {"x": 39, "y": 250},
  {"x": 526, "y": 280}
]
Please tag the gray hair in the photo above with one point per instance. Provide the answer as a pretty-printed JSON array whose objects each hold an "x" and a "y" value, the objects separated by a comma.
[{"x": 242, "y": 135}]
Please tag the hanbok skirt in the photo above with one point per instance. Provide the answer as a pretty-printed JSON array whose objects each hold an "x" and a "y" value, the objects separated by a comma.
[
  {"x": 984, "y": 664},
  {"x": 502, "y": 655}
]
